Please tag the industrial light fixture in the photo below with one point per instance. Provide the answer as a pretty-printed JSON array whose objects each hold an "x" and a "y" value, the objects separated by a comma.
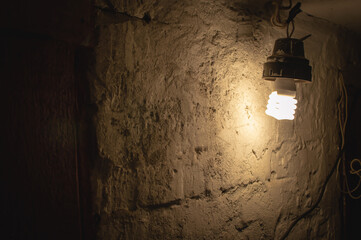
[{"x": 285, "y": 67}]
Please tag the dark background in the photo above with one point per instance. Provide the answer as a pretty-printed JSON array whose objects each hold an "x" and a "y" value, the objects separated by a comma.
[{"x": 46, "y": 152}]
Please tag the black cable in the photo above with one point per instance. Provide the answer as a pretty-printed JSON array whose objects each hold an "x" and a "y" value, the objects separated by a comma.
[
  {"x": 285, "y": 235},
  {"x": 305, "y": 37},
  {"x": 291, "y": 15},
  {"x": 293, "y": 29},
  {"x": 293, "y": 12}
]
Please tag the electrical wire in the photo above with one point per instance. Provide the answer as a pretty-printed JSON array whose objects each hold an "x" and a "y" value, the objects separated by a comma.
[
  {"x": 289, "y": 35},
  {"x": 313, "y": 207},
  {"x": 342, "y": 118},
  {"x": 352, "y": 171},
  {"x": 276, "y": 18}
]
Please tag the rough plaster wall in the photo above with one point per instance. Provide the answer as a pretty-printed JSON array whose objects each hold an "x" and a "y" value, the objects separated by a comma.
[{"x": 185, "y": 148}]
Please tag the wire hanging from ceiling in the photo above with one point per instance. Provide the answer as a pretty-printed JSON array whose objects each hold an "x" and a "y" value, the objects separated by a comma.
[
  {"x": 289, "y": 23},
  {"x": 276, "y": 17}
]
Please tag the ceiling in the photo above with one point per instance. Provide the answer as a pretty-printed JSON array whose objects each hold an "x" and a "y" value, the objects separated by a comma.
[{"x": 343, "y": 12}]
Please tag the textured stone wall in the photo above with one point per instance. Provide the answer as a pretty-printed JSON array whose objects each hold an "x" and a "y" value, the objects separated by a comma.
[{"x": 185, "y": 148}]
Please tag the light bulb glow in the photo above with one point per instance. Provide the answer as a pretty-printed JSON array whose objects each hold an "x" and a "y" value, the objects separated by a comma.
[{"x": 281, "y": 107}]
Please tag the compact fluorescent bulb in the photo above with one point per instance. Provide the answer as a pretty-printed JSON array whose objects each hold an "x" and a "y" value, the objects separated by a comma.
[{"x": 281, "y": 107}]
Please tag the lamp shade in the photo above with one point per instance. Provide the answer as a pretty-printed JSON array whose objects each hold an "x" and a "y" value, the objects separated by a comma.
[{"x": 287, "y": 61}]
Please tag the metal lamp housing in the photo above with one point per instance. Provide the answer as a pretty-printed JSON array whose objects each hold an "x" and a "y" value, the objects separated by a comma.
[{"x": 287, "y": 61}]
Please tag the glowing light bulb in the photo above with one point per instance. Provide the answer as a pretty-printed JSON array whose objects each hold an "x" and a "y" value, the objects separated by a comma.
[{"x": 281, "y": 107}]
